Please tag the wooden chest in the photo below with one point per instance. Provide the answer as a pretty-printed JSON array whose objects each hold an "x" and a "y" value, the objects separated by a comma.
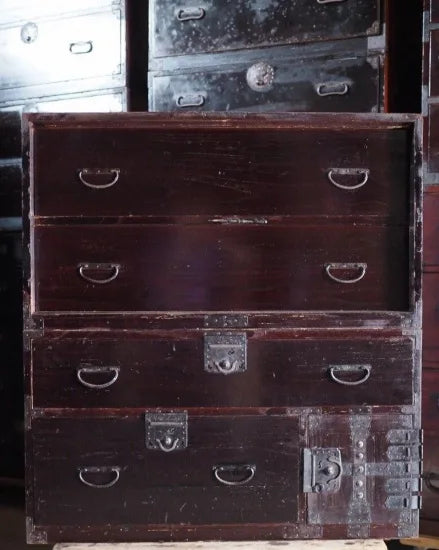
[{"x": 213, "y": 305}]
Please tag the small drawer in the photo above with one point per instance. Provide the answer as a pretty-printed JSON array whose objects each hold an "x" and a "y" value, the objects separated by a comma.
[
  {"x": 248, "y": 369},
  {"x": 430, "y": 493},
  {"x": 430, "y": 400},
  {"x": 221, "y": 267},
  {"x": 283, "y": 84},
  {"x": 434, "y": 63},
  {"x": 224, "y": 470},
  {"x": 207, "y": 26},
  {"x": 167, "y": 172},
  {"x": 80, "y": 47},
  {"x": 10, "y": 188}
]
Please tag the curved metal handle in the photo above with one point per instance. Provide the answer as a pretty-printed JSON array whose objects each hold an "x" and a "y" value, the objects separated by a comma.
[
  {"x": 100, "y": 470},
  {"x": 168, "y": 444},
  {"x": 364, "y": 172},
  {"x": 330, "y": 1},
  {"x": 115, "y": 172},
  {"x": 350, "y": 369},
  {"x": 225, "y": 366},
  {"x": 79, "y": 48},
  {"x": 350, "y": 266},
  {"x": 429, "y": 478},
  {"x": 194, "y": 100},
  {"x": 250, "y": 468},
  {"x": 114, "y": 268},
  {"x": 190, "y": 14},
  {"x": 97, "y": 370},
  {"x": 332, "y": 88}
]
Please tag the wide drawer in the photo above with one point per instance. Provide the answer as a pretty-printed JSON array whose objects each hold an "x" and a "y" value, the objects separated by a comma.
[
  {"x": 178, "y": 28},
  {"x": 220, "y": 267},
  {"x": 220, "y": 369},
  {"x": 430, "y": 494},
  {"x": 73, "y": 458},
  {"x": 84, "y": 46},
  {"x": 166, "y": 172},
  {"x": 430, "y": 400},
  {"x": 350, "y": 84}
]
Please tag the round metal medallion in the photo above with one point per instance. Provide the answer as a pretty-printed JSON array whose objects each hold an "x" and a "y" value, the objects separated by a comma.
[
  {"x": 29, "y": 33},
  {"x": 260, "y": 77}
]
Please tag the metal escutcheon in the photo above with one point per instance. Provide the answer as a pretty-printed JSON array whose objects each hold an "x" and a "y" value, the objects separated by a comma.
[
  {"x": 166, "y": 432},
  {"x": 260, "y": 77},
  {"x": 322, "y": 470},
  {"x": 225, "y": 352}
]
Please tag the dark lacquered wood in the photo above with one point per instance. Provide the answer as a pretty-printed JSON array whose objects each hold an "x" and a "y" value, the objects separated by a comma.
[
  {"x": 167, "y": 370},
  {"x": 229, "y": 172},
  {"x": 10, "y": 135},
  {"x": 158, "y": 488},
  {"x": 433, "y": 138},
  {"x": 430, "y": 344},
  {"x": 231, "y": 25},
  {"x": 430, "y": 400},
  {"x": 297, "y": 84},
  {"x": 430, "y": 495},
  {"x": 220, "y": 268},
  {"x": 434, "y": 11},
  {"x": 434, "y": 63},
  {"x": 431, "y": 226},
  {"x": 10, "y": 188}
]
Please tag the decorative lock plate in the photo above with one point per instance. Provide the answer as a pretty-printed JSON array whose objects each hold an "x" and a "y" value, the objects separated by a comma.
[
  {"x": 166, "y": 432},
  {"x": 225, "y": 352},
  {"x": 322, "y": 470}
]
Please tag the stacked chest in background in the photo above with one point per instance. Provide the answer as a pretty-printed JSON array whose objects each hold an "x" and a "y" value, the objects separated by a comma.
[
  {"x": 430, "y": 107},
  {"x": 210, "y": 321}
]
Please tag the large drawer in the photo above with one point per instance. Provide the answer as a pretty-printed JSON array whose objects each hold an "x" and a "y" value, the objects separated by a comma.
[
  {"x": 80, "y": 47},
  {"x": 220, "y": 369},
  {"x": 209, "y": 172},
  {"x": 220, "y": 267},
  {"x": 350, "y": 84},
  {"x": 156, "y": 487},
  {"x": 181, "y": 27}
]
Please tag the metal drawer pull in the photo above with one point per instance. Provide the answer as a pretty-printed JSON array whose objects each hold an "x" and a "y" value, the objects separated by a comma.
[
  {"x": 429, "y": 478},
  {"x": 114, "y": 172},
  {"x": 233, "y": 468},
  {"x": 351, "y": 267},
  {"x": 100, "y": 470},
  {"x": 332, "y": 88},
  {"x": 330, "y": 1},
  {"x": 363, "y": 172},
  {"x": 113, "y": 268},
  {"x": 191, "y": 14},
  {"x": 168, "y": 444},
  {"x": 350, "y": 369},
  {"x": 194, "y": 100},
  {"x": 97, "y": 370},
  {"x": 79, "y": 48}
]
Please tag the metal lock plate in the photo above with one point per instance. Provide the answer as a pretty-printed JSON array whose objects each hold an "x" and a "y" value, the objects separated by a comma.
[
  {"x": 166, "y": 431},
  {"x": 225, "y": 352},
  {"x": 322, "y": 470}
]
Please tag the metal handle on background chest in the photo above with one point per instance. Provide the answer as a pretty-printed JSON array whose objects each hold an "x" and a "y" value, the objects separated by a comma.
[{"x": 225, "y": 352}]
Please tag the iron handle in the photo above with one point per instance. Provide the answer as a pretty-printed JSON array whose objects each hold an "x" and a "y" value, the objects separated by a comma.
[
  {"x": 113, "y": 268},
  {"x": 330, "y": 1},
  {"x": 324, "y": 89},
  {"x": 350, "y": 369},
  {"x": 114, "y": 172},
  {"x": 190, "y": 14},
  {"x": 364, "y": 172},
  {"x": 190, "y": 100},
  {"x": 80, "y": 48},
  {"x": 362, "y": 267},
  {"x": 100, "y": 470},
  {"x": 233, "y": 468},
  {"x": 97, "y": 370},
  {"x": 429, "y": 478},
  {"x": 226, "y": 366},
  {"x": 168, "y": 444}
]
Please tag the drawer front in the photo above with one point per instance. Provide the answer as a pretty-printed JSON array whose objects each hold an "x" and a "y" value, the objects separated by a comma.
[
  {"x": 434, "y": 7},
  {"x": 220, "y": 268},
  {"x": 10, "y": 135},
  {"x": 86, "y": 46},
  {"x": 433, "y": 138},
  {"x": 185, "y": 172},
  {"x": 156, "y": 487},
  {"x": 430, "y": 400},
  {"x": 112, "y": 101},
  {"x": 10, "y": 188},
  {"x": 430, "y": 494},
  {"x": 431, "y": 226},
  {"x": 178, "y": 28},
  {"x": 148, "y": 370},
  {"x": 345, "y": 84},
  {"x": 430, "y": 346},
  {"x": 434, "y": 63}
]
